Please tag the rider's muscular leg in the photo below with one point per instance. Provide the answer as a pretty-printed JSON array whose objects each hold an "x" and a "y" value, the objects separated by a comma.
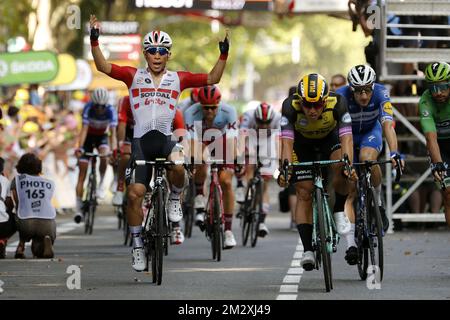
[
  {"x": 136, "y": 193},
  {"x": 372, "y": 154},
  {"x": 81, "y": 177},
  {"x": 103, "y": 150},
  {"x": 225, "y": 178},
  {"x": 124, "y": 157},
  {"x": 201, "y": 171},
  {"x": 176, "y": 176},
  {"x": 304, "y": 212}
]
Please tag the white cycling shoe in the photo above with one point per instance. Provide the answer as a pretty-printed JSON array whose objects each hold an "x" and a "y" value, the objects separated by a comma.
[
  {"x": 343, "y": 224},
  {"x": 117, "y": 198},
  {"x": 308, "y": 261},
  {"x": 177, "y": 236},
  {"x": 199, "y": 201},
  {"x": 139, "y": 259},
  {"x": 229, "y": 241},
  {"x": 240, "y": 194},
  {"x": 175, "y": 211}
]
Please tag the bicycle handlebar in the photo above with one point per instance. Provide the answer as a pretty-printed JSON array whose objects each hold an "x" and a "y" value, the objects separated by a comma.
[
  {"x": 95, "y": 155},
  {"x": 370, "y": 163},
  {"x": 158, "y": 161}
]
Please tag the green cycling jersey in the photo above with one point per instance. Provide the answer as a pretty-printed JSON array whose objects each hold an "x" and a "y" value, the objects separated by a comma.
[{"x": 434, "y": 117}]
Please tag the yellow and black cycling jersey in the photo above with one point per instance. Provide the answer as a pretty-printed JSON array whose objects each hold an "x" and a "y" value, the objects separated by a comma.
[{"x": 335, "y": 116}]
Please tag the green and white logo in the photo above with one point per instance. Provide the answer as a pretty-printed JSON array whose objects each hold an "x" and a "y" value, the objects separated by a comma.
[{"x": 28, "y": 67}]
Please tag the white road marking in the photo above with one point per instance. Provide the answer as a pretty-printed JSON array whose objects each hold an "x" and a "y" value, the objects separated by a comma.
[{"x": 292, "y": 279}]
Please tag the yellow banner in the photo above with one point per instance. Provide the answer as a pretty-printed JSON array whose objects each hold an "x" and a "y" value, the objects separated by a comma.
[{"x": 67, "y": 70}]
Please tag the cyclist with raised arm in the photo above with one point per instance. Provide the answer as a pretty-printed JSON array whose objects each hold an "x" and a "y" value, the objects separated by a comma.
[
  {"x": 264, "y": 121},
  {"x": 316, "y": 125},
  {"x": 434, "y": 108},
  {"x": 212, "y": 123},
  {"x": 154, "y": 92},
  {"x": 370, "y": 107},
  {"x": 125, "y": 138},
  {"x": 98, "y": 116}
]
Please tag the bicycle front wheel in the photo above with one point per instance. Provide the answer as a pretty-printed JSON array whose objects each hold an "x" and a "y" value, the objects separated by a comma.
[
  {"x": 216, "y": 241},
  {"x": 375, "y": 236},
  {"x": 158, "y": 241},
  {"x": 246, "y": 213},
  {"x": 325, "y": 255},
  {"x": 256, "y": 213}
]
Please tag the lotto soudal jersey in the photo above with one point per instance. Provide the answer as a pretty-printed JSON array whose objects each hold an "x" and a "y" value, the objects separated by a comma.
[
  {"x": 35, "y": 195},
  {"x": 154, "y": 107},
  {"x": 225, "y": 121},
  {"x": 99, "y": 122},
  {"x": 379, "y": 108},
  {"x": 126, "y": 115}
]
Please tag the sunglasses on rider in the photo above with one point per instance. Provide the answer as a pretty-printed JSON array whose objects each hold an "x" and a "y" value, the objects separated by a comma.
[
  {"x": 360, "y": 90},
  {"x": 206, "y": 107},
  {"x": 161, "y": 50},
  {"x": 313, "y": 105},
  {"x": 438, "y": 87}
]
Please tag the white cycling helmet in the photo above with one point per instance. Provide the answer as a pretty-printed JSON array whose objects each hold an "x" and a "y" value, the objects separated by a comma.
[
  {"x": 157, "y": 39},
  {"x": 361, "y": 75},
  {"x": 100, "y": 96}
]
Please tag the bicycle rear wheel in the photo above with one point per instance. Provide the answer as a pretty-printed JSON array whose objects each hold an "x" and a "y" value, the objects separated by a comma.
[
  {"x": 189, "y": 210},
  {"x": 256, "y": 213},
  {"x": 375, "y": 235},
  {"x": 216, "y": 241},
  {"x": 325, "y": 255},
  {"x": 246, "y": 213}
]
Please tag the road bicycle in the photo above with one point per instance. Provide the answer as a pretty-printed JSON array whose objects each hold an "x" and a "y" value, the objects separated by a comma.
[{"x": 325, "y": 237}]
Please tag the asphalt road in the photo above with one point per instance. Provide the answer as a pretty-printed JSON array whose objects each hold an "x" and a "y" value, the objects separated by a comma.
[{"x": 417, "y": 267}]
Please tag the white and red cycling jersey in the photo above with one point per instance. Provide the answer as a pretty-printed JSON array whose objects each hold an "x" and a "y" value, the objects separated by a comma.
[
  {"x": 154, "y": 108},
  {"x": 248, "y": 121},
  {"x": 266, "y": 139}
]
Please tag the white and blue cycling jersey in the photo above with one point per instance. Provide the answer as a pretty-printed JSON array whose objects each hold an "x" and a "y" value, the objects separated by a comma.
[
  {"x": 366, "y": 121},
  {"x": 99, "y": 123}
]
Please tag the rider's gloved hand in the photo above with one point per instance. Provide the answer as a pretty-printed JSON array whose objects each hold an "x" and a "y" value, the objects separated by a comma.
[
  {"x": 224, "y": 47},
  {"x": 95, "y": 31},
  {"x": 439, "y": 170}
]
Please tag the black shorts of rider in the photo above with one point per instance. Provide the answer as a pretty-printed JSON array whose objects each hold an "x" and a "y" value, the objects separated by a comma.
[
  {"x": 149, "y": 147},
  {"x": 312, "y": 150},
  {"x": 94, "y": 142},
  {"x": 444, "y": 148}
]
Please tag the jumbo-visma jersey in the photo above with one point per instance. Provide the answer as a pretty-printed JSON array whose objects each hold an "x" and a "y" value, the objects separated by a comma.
[
  {"x": 154, "y": 107},
  {"x": 294, "y": 122}
]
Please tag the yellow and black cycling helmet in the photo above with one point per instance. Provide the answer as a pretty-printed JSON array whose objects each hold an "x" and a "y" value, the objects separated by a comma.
[{"x": 313, "y": 88}]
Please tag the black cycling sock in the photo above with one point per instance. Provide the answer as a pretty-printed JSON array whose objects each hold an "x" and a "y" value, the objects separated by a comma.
[
  {"x": 306, "y": 230},
  {"x": 339, "y": 202}
]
